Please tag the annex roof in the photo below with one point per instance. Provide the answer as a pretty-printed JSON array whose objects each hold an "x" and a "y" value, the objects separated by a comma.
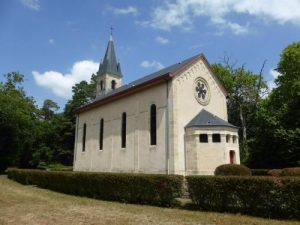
[{"x": 207, "y": 119}]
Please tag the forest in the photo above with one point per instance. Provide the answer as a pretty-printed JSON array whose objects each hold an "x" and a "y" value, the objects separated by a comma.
[{"x": 269, "y": 120}]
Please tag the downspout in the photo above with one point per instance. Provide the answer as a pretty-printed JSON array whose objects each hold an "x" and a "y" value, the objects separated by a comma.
[{"x": 167, "y": 131}]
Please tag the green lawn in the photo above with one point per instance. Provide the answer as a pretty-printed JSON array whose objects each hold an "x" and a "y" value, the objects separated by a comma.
[{"x": 22, "y": 205}]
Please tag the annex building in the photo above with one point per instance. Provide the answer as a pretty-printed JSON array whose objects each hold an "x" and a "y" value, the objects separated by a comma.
[{"x": 173, "y": 121}]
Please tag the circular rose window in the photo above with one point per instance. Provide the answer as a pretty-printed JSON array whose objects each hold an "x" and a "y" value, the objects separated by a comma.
[{"x": 201, "y": 91}]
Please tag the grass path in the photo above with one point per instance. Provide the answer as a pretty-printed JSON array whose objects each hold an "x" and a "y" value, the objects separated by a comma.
[{"x": 23, "y": 205}]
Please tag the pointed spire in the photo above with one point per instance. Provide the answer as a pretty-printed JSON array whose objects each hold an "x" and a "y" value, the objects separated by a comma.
[{"x": 109, "y": 64}]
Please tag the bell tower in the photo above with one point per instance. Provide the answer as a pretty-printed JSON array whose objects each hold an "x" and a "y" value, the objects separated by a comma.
[{"x": 109, "y": 75}]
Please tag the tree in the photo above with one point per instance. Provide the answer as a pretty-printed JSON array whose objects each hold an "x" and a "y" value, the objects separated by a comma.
[
  {"x": 83, "y": 93},
  {"x": 18, "y": 116},
  {"x": 277, "y": 136},
  {"x": 244, "y": 90},
  {"x": 30, "y": 136},
  {"x": 48, "y": 109}
]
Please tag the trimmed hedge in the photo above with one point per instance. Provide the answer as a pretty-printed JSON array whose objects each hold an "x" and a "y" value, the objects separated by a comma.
[
  {"x": 293, "y": 171},
  {"x": 232, "y": 170},
  {"x": 274, "y": 172},
  {"x": 130, "y": 188},
  {"x": 259, "y": 172},
  {"x": 259, "y": 196}
]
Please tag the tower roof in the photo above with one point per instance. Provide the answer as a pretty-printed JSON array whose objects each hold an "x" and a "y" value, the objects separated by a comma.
[{"x": 109, "y": 64}]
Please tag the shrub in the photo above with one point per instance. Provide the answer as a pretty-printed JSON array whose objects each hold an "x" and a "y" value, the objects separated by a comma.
[
  {"x": 259, "y": 196},
  {"x": 259, "y": 172},
  {"x": 294, "y": 171},
  {"x": 275, "y": 172},
  {"x": 130, "y": 188},
  {"x": 232, "y": 170}
]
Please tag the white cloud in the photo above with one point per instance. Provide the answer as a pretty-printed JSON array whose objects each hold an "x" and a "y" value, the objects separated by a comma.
[
  {"x": 182, "y": 13},
  {"x": 124, "y": 11},
  {"x": 31, "y": 4},
  {"x": 274, "y": 74},
  {"x": 61, "y": 84},
  {"x": 162, "y": 40},
  {"x": 51, "y": 41},
  {"x": 152, "y": 64}
]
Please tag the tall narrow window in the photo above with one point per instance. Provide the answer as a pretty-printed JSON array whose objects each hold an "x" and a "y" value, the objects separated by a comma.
[
  {"x": 113, "y": 84},
  {"x": 123, "y": 132},
  {"x": 101, "y": 134},
  {"x": 83, "y": 137},
  {"x": 101, "y": 85},
  {"x": 153, "y": 124}
]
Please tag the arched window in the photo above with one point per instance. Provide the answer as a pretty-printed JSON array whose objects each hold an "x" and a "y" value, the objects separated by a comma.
[
  {"x": 113, "y": 84},
  {"x": 232, "y": 157},
  {"x": 101, "y": 85},
  {"x": 101, "y": 134},
  {"x": 123, "y": 131},
  {"x": 83, "y": 137},
  {"x": 153, "y": 124}
]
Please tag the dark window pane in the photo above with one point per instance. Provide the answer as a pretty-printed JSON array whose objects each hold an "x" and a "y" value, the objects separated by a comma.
[
  {"x": 123, "y": 135},
  {"x": 83, "y": 137},
  {"x": 203, "y": 138},
  {"x": 153, "y": 125},
  {"x": 227, "y": 138},
  {"x": 216, "y": 138},
  {"x": 113, "y": 84},
  {"x": 101, "y": 134}
]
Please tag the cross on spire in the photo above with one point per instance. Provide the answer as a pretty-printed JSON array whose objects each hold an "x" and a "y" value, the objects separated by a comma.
[{"x": 111, "y": 31}]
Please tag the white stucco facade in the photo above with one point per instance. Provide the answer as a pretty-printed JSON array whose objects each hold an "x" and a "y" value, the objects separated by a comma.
[{"x": 177, "y": 149}]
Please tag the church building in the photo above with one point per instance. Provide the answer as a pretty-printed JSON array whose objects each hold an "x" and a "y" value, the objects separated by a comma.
[{"x": 173, "y": 121}]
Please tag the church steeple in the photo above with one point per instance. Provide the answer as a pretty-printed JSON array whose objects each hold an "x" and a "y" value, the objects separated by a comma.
[
  {"x": 109, "y": 74},
  {"x": 109, "y": 64}
]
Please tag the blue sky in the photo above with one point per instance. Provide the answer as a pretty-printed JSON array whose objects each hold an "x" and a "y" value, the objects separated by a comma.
[{"x": 56, "y": 43}]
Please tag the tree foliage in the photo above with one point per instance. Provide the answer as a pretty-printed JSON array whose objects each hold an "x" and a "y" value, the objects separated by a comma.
[
  {"x": 276, "y": 143},
  {"x": 18, "y": 119},
  {"x": 32, "y": 136},
  {"x": 243, "y": 88}
]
